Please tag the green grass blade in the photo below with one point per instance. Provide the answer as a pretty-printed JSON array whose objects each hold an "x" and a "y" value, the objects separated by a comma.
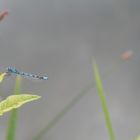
[
  {"x": 100, "y": 90},
  {"x": 72, "y": 103},
  {"x": 13, "y": 116},
  {"x": 62, "y": 113}
]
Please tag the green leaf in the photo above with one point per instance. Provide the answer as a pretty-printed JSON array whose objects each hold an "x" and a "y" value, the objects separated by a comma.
[
  {"x": 100, "y": 90},
  {"x": 2, "y": 76},
  {"x": 15, "y": 101},
  {"x": 138, "y": 138}
]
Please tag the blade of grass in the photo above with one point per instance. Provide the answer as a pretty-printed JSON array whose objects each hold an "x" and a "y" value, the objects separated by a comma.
[
  {"x": 62, "y": 113},
  {"x": 13, "y": 116},
  {"x": 72, "y": 103},
  {"x": 100, "y": 90}
]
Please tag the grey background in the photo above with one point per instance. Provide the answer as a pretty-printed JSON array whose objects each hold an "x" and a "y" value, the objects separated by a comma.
[{"x": 59, "y": 38}]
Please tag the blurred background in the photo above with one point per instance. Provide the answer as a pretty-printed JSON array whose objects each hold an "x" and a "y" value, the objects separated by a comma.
[{"x": 59, "y": 38}]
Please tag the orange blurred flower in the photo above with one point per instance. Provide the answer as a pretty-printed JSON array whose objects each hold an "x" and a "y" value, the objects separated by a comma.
[{"x": 127, "y": 55}]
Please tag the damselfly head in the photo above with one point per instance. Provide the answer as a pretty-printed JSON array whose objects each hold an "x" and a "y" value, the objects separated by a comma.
[{"x": 11, "y": 69}]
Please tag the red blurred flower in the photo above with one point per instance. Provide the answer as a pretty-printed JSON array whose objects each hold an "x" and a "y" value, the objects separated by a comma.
[{"x": 3, "y": 14}]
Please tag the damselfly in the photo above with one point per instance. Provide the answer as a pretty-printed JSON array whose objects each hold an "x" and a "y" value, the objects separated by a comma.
[{"x": 12, "y": 70}]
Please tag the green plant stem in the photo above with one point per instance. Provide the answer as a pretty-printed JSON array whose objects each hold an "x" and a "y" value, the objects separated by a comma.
[
  {"x": 13, "y": 116},
  {"x": 100, "y": 90}
]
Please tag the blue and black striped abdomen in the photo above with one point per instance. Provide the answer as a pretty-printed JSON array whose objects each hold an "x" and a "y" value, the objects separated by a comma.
[{"x": 13, "y": 70}]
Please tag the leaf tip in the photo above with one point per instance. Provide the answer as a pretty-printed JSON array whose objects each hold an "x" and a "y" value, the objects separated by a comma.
[{"x": 2, "y": 76}]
